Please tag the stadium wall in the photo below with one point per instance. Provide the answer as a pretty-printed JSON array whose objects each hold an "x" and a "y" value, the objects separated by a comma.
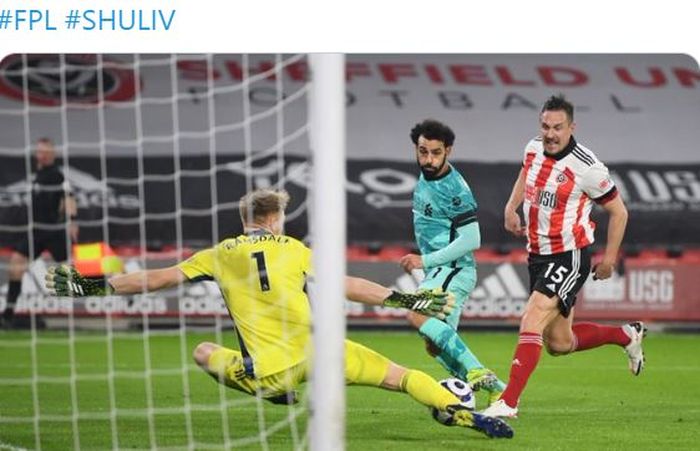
[
  {"x": 639, "y": 113},
  {"x": 652, "y": 287}
]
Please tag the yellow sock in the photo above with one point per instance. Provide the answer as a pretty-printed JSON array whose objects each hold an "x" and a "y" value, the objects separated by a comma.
[{"x": 426, "y": 390}]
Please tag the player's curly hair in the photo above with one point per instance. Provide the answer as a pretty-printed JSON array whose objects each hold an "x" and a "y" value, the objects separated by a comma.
[
  {"x": 432, "y": 129},
  {"x": 260, "y": 203},
  {"x": 559, "y": 103}
]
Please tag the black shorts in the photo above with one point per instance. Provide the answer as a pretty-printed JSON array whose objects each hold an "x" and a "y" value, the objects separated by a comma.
[
  {"x": 54, "y": 241},
  {"x": 560, "y": 274}
]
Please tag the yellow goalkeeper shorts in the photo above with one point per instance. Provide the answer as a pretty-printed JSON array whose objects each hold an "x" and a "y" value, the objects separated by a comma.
[
  {"x": 227, "y": 366},
  {"x": 363, "y": 366}
]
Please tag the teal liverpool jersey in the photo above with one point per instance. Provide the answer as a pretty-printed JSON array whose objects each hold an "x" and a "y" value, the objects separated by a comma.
[{"x": 440, "y": 207}]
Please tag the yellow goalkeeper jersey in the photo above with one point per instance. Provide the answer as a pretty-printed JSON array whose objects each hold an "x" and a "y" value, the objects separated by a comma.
[{"x": 262, "y": 278}]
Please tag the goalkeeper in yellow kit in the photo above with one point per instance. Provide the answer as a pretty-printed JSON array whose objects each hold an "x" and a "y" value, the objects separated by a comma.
[{"x": 262, "y": 275}]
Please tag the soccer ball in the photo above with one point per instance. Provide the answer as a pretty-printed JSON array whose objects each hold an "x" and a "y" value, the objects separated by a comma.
[{"x": 462, "y": 391}]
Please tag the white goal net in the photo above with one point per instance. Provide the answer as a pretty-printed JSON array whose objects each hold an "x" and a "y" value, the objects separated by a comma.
[{"x": 156, "y": 150}]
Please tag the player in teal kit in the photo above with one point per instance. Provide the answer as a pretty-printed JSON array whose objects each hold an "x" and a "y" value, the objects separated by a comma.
[{"x": 447, "y": 233}]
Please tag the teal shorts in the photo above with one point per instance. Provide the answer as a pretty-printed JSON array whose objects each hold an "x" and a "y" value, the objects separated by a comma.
[{"x": 458, "y": 281}]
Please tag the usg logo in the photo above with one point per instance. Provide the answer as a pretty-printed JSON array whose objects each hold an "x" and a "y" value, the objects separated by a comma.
[
  {"x": 80, "y": 78},
  {"x": 651, "y": 286}
]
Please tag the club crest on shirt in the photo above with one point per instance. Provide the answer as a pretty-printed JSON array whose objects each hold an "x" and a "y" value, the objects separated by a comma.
[
  {"x": 456, "y": 201},
  {"x": 562, "y": 178}
]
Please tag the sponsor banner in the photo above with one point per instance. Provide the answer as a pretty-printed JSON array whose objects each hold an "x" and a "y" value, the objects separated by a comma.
[
  {"x": 198, "y": 205},
  {"x": 198, "y": 299},
  {"x": 647, "y": 290},
  {"x": 501, "y": 291},
  {"x": 663, "y": 290},
  {"x": 657, "y": 291},
  {"x": 629, "y": 108}
]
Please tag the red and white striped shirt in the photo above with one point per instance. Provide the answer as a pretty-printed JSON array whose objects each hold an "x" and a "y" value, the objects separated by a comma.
[{"x": 559, "y": 190}]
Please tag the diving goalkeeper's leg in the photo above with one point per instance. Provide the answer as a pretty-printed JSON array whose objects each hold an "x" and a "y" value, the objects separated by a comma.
[
  {"x": 229, "y": 367},
  {"x": 364, "y": 366}
]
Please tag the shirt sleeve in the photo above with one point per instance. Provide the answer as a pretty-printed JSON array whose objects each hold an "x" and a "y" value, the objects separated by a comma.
[
  {"x": 468, "y": 239},
  {"x": 461, "y": 206},
  {"x": 200, "y": 266},
  {"x": 598, "y": 185}
]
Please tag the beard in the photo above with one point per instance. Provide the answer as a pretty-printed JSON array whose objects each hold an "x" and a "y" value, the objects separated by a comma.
[{"x": 431, "y": 172}]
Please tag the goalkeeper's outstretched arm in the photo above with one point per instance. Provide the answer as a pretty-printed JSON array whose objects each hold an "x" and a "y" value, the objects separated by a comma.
[
  {"x": 65, "y": 280},
  {"x": 429, "y": 303},
  {"x": 365, "y": 291},
  {"x": 147, "y": 280}
]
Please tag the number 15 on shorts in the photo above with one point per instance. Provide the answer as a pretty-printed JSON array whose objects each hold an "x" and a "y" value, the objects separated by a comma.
[{"x": 557, "y": 275}]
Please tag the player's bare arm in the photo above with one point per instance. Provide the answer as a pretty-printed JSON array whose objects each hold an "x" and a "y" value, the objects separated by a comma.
[
  {"x": 149, "y": 280},
  {"x": 616, "y": 231},
  {"x": 429, "y": 303},
  {"x": 365, "y": 291},
  {"x": 64, "y": 280},
  {"x": 513, "y": 224}
]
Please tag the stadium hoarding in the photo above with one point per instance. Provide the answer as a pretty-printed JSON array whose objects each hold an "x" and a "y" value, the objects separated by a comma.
[
  {"x": 637, "y": 112},
  {"x": 650, "y": 290},
  {"x": 491, "y": 101},
  {"x": 663, "y": 200}
]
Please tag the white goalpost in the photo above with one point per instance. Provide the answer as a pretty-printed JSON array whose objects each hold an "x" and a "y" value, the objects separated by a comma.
[
  {"x": 157, "y": 150},
  {"x": 328, "y": 227}
]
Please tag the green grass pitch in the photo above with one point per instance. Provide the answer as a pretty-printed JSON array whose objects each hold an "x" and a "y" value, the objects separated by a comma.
[{"x": 585, "y": 401}]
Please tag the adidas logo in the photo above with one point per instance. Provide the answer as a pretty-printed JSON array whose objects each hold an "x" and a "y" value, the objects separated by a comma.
[
  {"x": 504, "y": 283},
  {"x": 32, "y": 280},
  {"x": 500, "y": 292},
  {"x": 34, "y": 294},
  {"x": 409, "y": 283}
]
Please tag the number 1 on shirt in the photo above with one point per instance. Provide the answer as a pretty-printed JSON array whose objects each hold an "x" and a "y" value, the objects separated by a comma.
[{"x": 262, "y": 270}]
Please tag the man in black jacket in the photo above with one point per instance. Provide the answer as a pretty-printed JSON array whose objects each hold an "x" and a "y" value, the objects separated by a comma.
[{"x": 51, "y": 223}]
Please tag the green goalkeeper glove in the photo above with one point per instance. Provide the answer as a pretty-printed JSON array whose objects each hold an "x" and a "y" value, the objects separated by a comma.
[
  {"x": 435, "y": 303},
  {"x": 64, "y": 280}
]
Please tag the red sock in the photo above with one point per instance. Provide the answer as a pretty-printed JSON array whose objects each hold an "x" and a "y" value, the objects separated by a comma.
[
  {"x": 527, "y": 354},
  {"x": 592, "y": 335}
]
